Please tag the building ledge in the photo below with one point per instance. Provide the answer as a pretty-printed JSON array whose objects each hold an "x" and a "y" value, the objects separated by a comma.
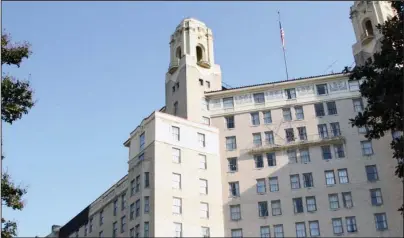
[{"x": 204, "y": 64}]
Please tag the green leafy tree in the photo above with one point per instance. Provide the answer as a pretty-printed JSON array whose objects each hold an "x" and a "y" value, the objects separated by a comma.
[
  {"x": 16, "y": 100},
  {"x": 382, "y": 87}
]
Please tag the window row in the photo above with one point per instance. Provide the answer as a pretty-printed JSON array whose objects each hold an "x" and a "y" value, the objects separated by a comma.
[
  {"x": 176, "y": 158},
  {"x": 175, "y": 132},
  {"x": 177, "y": 208},
  {"x": 133, "y": 232},
  {"x": 178, "y": 232},
  {"x": 177, "y": 184},
  {"x": 135, "y": 184}
]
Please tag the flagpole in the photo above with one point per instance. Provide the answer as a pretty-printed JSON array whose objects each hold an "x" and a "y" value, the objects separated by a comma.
[{"x": 283, "y": 45}]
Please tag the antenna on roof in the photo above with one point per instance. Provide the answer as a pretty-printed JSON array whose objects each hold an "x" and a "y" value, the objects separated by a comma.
[{"x": 329, "y": 66}]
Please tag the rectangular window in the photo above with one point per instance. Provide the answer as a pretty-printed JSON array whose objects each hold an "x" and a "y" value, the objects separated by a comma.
[
  {"x": 271, "y": 159},
  {"x": 298, "y": 205},
  {"x": 273, "y": 184},
  {"x": 304, "y": 155},
  {"x": 371, "y": 173},
  {"x": 123, "y": 224},
  {"x": 326, "y": 151},
  {"x": 204, "y": 210},
  {"x": 208, "y": 84},
  {"x": 137, "y": 231},
  {"x": 343, "y": 176},
  {"x": 236, "y": 233},
  {"x": 287, "y": 114},
  {"x": 137, "y": 183},
  {"x": 376, "y": 197},
  {"x": 259, "y": 161},
  {"x": 302, "y": 133},
  {"x": 290, "y": 93},
  {"x": 206, "y": 120},
  {"x": 176, "y": 181},
  {"x": 353, "y": 85},
  {"x": 176, "y": 154},
  {"x": 114, "y": 229},
  {"x": 278, "y": 231},
  {"x": 205, "y": 231},
  {"x": 295, "y": 181},
  {"x": 235, "y": 212},
  {"x": 264, "y": 231},
  {"x": 146, "y": 204},
  {"x": 311, "y": 204},
  {"x": 146, "y": 229},
  {"x": 319, "y": 108},
  {"x": 177, "y": 229},
  {"x": 351, "y": 224},
  {"x": 267, "y": 117},
  {"x": 337, "y": 226},
  {"x": 367, "y": 148},
  {"x": 292, "y": 156},
  {"x": 308, "y": 180},
  {"x": 261, "y": 186},
  {"x": 132, "y": 233},
  {"x": 255, "y": 118},
  {"x": 175, "y": 108},
  {"x": 137, "y": 206},
  {"x": 177, "y": 205},
  {"x": 132, "y": 187},
  {"x": 269, "y": 137},
  {"x": 115, "y": 207},
  {"x": 347, "y": 199},
  {"x": 146, "y": 180},
  {"x": 176, "y": 133},
  {"x": 259, "y": 98},
  {"x": 203, "y": 186},
  {"x": 358, "y": 104},
  {"x": 230, "y": 122},
  {"x": 123, "y": 201},
  {"x": 201, "y": 140},
  {"x": 290, "y": 134},
  {"x": 228, "y": 103},
  {"x": 101, "y": 234},
  {"x": 263, "y": 209},
  {"x": 101, "y": 221},
  {"x": 234, "y": 189},
  {"x": 335, "y": 129},
  {"x": 329, "y": 177},
  {"x": 381, "y": 221},
  {"x": 314, "y": 228},
  {"x": 202, "y": 162},
  {"x": 322, "y": 89},
  {"x": 132, "y": 211},
  {"x": 231, "y": 143},
  {"x": 201, "y": 82},
  {"x": 331, "y": 108},
  {"x": 141, "y": 141},
  {"x": 333, "y": 200},
  {"x": 85, "y": 229},
  {"x": 91, "y": 225},
  {"x": 276, "y": 208},
  {"x": 362, "y": 130},
  {"x": 232, "y": 164},
  {"x": 299, "y": 112},
  {"x": 339, "y": 151},
  {"x": 257, "y": 141},
  {"x": 300, "y": 229},
  {"x": 322, "y": 131}
]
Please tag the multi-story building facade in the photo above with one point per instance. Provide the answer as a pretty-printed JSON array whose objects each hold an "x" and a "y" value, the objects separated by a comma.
[{"x": 276, "y": 159}]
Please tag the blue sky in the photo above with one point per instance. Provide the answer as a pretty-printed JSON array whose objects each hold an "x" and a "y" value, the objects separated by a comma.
[{"x": 98, "y": 68}]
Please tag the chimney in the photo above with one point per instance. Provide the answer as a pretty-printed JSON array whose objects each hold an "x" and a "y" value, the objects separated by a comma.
[{"x": 55, "y": 228}]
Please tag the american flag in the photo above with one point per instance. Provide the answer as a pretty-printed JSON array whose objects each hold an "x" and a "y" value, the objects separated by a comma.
[{"x": 282, "y": 35}]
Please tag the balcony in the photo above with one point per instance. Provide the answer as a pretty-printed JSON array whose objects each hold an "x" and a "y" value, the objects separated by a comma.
[
  {"x": 173, "y": 66},
  {"x": 204, "y": 64},
  {"x": 366, "y": 37},
  {"x": 301, "y": 141}
]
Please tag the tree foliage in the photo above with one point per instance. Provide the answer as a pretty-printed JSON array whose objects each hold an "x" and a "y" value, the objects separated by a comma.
[
  {"x": 16, "y": 99},
  {"x": 382, "y": 87}
]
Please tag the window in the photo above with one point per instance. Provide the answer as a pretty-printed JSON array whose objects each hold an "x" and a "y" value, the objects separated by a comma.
[
  {"x": 319, "y": 108},
  {"x": 376, "y": 197},
  {"x": 271, "y": 158},
  {"x": 339, "y": 151},
  {"x": 333, "y": 200},
  {"x": 137, "y": 205},
  {"x": 123, "y": 224},
  {"x": 177, "y": 229},
  {"x": 177, "y": 84},
  {"x": 141, "y": 141},
  {"x": 371, "y": 173},
  {"x": 269, "y": 137},
  {"x": 358, "y": 104},
  {"x": 381, "y": 221},
  {"x": 335, "y": 129},
  {"x": 235, "y": 212},
  {"x": 278, "y": 230},
  {"x": 85, "y": 229},
  {"x": 175, "y": 108},
  {"x": 91, "y": 225},
  {"x": 206, "y": 120},
  {"x": 295, "y": 181},
  {"x": 101, "y": 217},
  {"x": 299, "y": 113},
  {"x": 176, "y": 133},
  {"x": 287, "y": 115},
  {"x": 204, "y": 210},
  {"x": 322, "y": 89},
  {"x": 263, "y": 209},
  {"x": 259, "y": 98},
  {"x": 337, "y": 226},
  {"x": 308, "y": 180},
  {"x": 176, "y": 182},
  {"x": 228, "y": 103},
  {"x": 146, "y": 204},
  {"x": 261, "y": 186},
  {"x": 234, "y": 189},
  {"x": 132, "y": 211},
  {"x": 123, "y": 201},
  {"x": 367, "y": 148},
  {"x": 257, "y": 139},
  {"x": 290, "y": 135},
  {"x": 231, "y": 143},
  {"x": 311, "y": 204},
  {"x": 351, "y": 224},
  {"x": 205, "y": 231},
  {"x": 201, "y": 140},
  {"x": 201, "y": 82},
  {"x": 276, "y": 208},
  {"x": 304, "y": 155},
  {"x": 146, "y": 180},
  {"x": 230, "y": 122},
  {"x": 331, "y": 108},
  {"x": 314, "y": 228},
  {"x": 292, "y": 157},
  {"x": 326, "y": 151},
  {"x": 146, "y": 229},
  {"x": 132, "y": 187},
  {"x": 362, "y": 130},
  {"x": 141, "y": 157},
  {"x": 259, "y": 161},
  {"x": 264, "y": 231},
  {"x": 300, "y": 229},
  {"x": 208, "y": 84},
  {"x": 232, "y": 164},
  {"x": 177, "y": 205},
  {"x": 267, "y": 117},
  {"x": 237, "y": 233},
  {"x": 322, "y": 131},
  {"x": 101, "y": 234},
  {"x": 203, "y": 186},
  {"x": 273, "y": 184},
  {"x": 290, "y": 93},
  {"x": 114, "y": 229},
  {"x": 298, "y": 205},
  {"x": 132, "y": 233},
  {"x": 302, "y": 133},
  {"x": 137, "y": 183},
  {"x": 255, "y": 118},
  {"x": 343, "y": 176},
  {"x": 347, "y": 199},
  {"x": 137, "y": 232},
  {"x": 329, "y": 177},
  {"x": 115, "y": 206},
  {"x": 176, "y": 154},
  {"x": 353, "y": 85},
  {"x": 202, "y": 162}
]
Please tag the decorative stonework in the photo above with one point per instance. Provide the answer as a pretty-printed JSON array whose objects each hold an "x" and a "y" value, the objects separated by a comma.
[
  {"x": 276, "y": 94},
  {"x": 338, "y": 86},
  {"x": 305, "y": 90},
  {"x": 243, "y": 99}
]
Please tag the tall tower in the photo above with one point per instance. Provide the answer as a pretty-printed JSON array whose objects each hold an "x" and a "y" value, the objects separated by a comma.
[
  {"x": 365, "y": 15},
  {"x": 192, "y": 71}
]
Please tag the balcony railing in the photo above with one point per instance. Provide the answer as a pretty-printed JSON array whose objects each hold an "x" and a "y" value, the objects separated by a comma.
[
  {"x": 366, "y": 37},
  {"x": 315, "y": 139}
]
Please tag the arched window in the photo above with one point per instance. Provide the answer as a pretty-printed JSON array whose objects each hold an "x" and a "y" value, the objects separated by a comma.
[
  {"x": 199, "y": 53},
  {"x": 178, "y": 53},
  {"x": 368, "y": 27}
]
